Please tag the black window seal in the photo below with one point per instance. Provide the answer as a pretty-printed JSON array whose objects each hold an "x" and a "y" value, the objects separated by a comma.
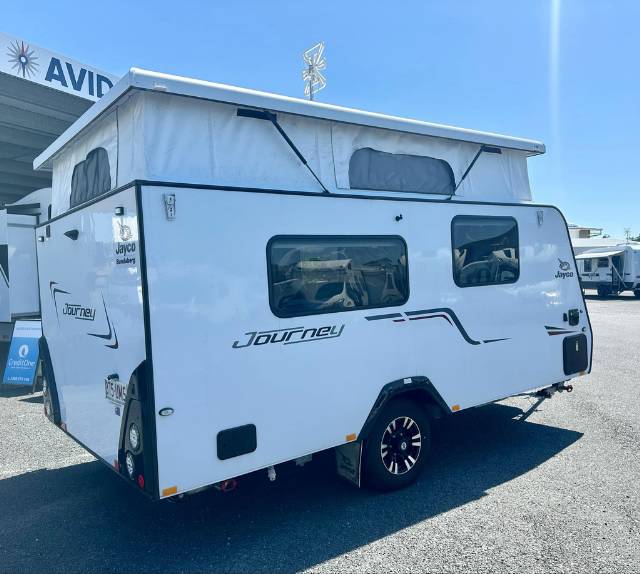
[
  {"x": 476, "y": 217},
  {"x": 278, "y": 313}
]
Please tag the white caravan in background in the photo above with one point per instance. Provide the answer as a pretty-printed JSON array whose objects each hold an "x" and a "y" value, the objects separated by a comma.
[
  {"x": 19, "y": 293},
  {"x": 234, "y": 279},
  {"x": 610, "y": 269}
]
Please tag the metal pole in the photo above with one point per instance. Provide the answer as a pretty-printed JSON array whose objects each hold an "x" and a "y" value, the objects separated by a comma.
[{"x": 311, "y": 78}]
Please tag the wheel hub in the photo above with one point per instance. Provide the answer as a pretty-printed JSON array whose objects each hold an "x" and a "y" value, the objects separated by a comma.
[{"x": 400, "y": 445}]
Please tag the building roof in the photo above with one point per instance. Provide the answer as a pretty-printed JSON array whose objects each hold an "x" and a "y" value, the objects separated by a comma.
[
  {"x": 147, "y": 80},
  {"x": 38, "y": 102}
]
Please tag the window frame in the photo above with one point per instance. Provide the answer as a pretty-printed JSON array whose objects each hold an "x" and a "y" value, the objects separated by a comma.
[
  {"x": 606, "y": 265},
  {"x": 472, "y": 217},
  {"x": 294, "y": 237},
  {"x": 584, "y": 266}
]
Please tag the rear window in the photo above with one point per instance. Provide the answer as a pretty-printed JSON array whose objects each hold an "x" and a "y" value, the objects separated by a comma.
[
  {"x": 485, "y": 250},
  {"x": 310, "y": 275}
]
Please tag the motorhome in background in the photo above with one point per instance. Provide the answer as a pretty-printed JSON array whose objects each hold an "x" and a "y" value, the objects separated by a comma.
[
  {"x": 19, "y": 295},
  {"x": 233, "y": 279}
]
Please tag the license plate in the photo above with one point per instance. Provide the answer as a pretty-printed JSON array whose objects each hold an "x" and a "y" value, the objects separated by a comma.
[{"x": 115, "y": 391}]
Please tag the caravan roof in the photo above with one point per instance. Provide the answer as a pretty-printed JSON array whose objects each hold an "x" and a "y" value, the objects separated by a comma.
[
  {"x": 137, "y": 78},
  {"x": 157, "y": 127}
]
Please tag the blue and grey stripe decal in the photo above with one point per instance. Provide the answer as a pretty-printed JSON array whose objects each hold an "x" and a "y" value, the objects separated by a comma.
[{"x": 444, "y": 313}]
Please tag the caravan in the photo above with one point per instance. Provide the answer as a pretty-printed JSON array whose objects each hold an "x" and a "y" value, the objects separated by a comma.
[
  {"x": 610, "y": 269},
  {"x": 233, "y": 279},
  {"x": 19, "y": 295}
]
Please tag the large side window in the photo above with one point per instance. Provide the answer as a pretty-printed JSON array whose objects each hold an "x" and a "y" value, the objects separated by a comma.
[
  {"x": 485, "y": 250},
  {"x": 603, "y": 263},
  {"x": 588, "y": 265},
  {"x": 310, "y": 274}
]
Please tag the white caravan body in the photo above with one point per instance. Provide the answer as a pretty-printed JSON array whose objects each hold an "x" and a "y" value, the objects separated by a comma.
[
  {"x": 242, "y": 314},
  {"x": 19, "y": 293},
  {"x": 610, "y": 269}
]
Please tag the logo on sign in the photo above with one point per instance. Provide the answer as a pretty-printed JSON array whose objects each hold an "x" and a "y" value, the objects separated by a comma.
[
  {"x": 23, "y": 351},
  {"x": 23, "y": 59}
]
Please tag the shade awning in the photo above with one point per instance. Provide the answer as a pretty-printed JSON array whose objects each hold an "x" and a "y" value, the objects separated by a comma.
[{"x": 598, "y": 254}]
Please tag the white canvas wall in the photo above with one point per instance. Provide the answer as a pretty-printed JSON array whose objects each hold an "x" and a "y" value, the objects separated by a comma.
[{"x": 163, "y": 137}]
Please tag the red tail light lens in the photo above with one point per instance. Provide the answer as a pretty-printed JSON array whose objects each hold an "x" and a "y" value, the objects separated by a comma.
[{"x": 141, "y": 481}]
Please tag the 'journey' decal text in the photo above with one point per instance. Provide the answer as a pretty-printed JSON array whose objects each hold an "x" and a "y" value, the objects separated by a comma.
[{"x": 290, "y": 336}]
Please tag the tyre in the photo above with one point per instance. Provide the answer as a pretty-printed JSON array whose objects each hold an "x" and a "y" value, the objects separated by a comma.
[
  {"x": 397, "y": 446},
  {"x": 637, "y": 293},
  {"x": 603, "y": 291}
]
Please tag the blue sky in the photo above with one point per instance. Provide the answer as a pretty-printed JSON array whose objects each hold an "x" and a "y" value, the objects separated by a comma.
[{"x": 562, "y": 71}]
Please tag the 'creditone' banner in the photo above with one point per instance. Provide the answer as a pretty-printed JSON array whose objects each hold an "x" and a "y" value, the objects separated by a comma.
[
  {"x": 22, "y": 362},
  {"x": 41, "y": 66}
]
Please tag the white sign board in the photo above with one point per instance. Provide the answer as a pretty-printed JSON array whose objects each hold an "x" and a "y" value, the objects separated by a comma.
[{"x": 30, "y": 62}]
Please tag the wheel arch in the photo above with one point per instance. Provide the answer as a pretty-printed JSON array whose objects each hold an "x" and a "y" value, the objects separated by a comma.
[{"x": 418, "y": 389}]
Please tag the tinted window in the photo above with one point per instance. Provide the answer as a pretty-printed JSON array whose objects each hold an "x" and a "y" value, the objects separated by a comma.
[
  {"x": 381, "y": 171},
  {"x": 309, "y": 275},
  {"x": 91, "y": 177},
  {"x": 588, "y": 265},
  {"x": 485, "y": 250},
  {"x": 603, "y": 262}
]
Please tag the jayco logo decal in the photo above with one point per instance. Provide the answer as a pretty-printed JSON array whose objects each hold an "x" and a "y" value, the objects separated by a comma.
[
  {"x": 125, "y": 248},
  {"x": 565, "y": 270},
  {"x": 289, "y": 336}
]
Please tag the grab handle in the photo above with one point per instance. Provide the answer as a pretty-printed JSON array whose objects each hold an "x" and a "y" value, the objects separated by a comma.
[{"x": 72, "y": 234}]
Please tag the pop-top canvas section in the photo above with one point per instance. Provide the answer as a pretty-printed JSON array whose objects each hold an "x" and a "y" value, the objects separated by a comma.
[{"x": 160, "y": 136}]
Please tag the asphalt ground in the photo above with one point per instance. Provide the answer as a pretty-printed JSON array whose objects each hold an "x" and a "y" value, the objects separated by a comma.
[{"x": 557, "y": 492}]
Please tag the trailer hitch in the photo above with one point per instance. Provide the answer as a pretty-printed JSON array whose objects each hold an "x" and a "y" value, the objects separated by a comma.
[
  {"x": 542, "y": 395},
  {"x": 228, "y": 485}
]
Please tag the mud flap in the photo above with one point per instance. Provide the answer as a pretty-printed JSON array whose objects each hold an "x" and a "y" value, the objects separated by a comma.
[{"x": 348, "y": 461}]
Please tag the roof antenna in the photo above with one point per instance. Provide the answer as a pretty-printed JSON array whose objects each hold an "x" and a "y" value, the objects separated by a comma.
[
  {"x": 270, "y": 116},
  {"x": 312, "y": 75},
  {"x": 483, "y": 148}
]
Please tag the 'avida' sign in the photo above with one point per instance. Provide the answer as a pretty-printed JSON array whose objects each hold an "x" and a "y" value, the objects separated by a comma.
[{"x": 29, "y": 62}]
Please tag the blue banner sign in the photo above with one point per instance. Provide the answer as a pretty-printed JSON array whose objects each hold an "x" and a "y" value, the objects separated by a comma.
[{"x": 22, "y": 362}]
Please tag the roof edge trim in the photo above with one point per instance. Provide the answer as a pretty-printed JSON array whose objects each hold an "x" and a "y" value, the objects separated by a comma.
[{"x": 137, "y": 78}]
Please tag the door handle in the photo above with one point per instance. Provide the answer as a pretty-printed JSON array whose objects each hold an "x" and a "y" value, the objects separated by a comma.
[{"x": 72, "y": 234}]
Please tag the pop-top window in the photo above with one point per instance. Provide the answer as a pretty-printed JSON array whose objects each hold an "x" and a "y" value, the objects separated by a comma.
[
  {"x": 91, "y": 177},
  {"x": 485, "y": 250},
  {"x": 381, "y": 171},
  {"x": 311, "y": 275}
]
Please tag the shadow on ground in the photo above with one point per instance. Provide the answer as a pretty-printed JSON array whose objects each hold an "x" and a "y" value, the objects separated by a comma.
[
  {"x": 84, "y": 519},
  {"x": 11, "y": 391}
]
